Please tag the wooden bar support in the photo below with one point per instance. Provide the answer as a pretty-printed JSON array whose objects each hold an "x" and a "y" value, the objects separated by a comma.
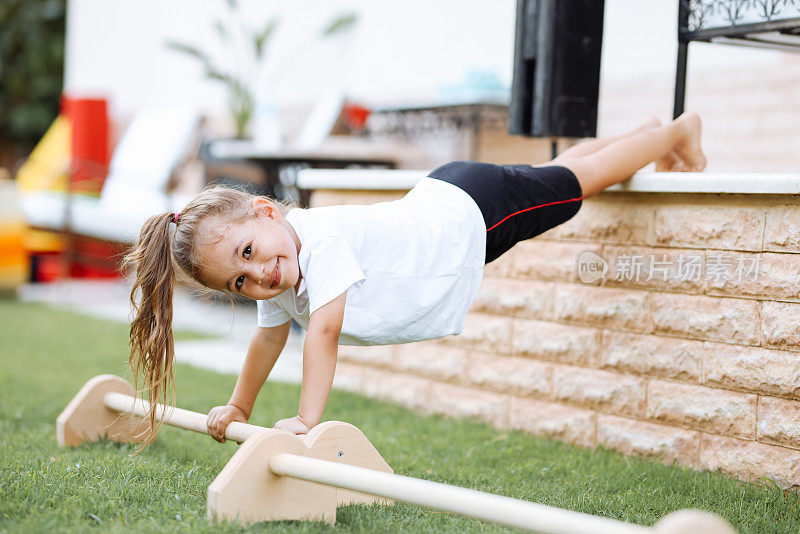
[
  {"x": 105, "y": 407},
  {"x": 277, "y": 475}
]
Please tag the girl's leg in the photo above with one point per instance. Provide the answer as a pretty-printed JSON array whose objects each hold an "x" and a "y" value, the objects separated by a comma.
[
  {"x": 668, "y": 163},
  {"x": 589, "y": 146},
  {"x": 620, "y": 159}
]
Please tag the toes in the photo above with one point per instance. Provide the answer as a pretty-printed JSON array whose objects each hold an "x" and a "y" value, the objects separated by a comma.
[
  {"x": 698, "y": 163},
  {"x": 669, "y": 163},
  {"x": 700, "y": 166},
  {"x": 650, "y": 123}
]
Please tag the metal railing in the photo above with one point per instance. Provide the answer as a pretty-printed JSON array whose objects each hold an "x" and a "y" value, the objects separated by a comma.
[{"x": 771, "y": 24}]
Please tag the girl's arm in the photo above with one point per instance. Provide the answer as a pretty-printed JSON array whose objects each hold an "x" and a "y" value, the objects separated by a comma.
[
  {"x": 266, "y": 345},
  {"x": 320, "y": 350}
]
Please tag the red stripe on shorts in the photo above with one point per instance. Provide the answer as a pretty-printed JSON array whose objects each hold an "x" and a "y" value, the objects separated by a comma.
[{"x": 533, "y": 208}]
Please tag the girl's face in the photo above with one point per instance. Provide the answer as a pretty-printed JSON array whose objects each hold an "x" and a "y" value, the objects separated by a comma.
[{"x": 256, "y": 258}]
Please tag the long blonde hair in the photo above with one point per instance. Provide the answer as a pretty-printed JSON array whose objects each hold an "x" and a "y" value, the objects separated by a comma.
[{"x": 162, "y": 249}]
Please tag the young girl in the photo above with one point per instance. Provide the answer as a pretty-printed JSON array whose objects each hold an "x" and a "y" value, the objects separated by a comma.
[{"x": 392, "y": 272}]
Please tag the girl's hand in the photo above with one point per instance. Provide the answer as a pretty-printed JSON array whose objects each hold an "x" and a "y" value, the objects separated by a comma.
[
  {"x": 220, "y": 417},
  {"x": 295, "y": 425}
]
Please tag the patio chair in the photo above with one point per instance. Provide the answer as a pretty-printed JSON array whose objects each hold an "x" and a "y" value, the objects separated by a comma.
[{"x": 134, "y": 188}]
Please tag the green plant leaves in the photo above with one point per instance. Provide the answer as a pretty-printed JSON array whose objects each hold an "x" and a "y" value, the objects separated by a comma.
[
  {"x": 189, "y": 50},
  {"x": 263, "y": 37},
  {"x": 340, "y": 24},
  {"x": 31, "y": 67},
  {"x": 241, "y": 97}
]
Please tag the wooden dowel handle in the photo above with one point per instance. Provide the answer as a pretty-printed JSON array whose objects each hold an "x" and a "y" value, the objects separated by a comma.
[
  {"x": 179, "y": 417},
  {"x": 486, "y": 506}
]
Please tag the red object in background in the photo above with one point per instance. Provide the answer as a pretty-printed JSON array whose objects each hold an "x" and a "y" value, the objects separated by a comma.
[
  {"x": 90, "y": 154},
  {"x": 90, "y": 142},
  {"x": 98, "y": 259},
  {"x": 87, "y": 271},
  {"x": 46, "y": 267},
  {"x": 356, "y": 116}
]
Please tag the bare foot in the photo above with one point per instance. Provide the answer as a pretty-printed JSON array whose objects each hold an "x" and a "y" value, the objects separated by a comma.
[
  {"x": 671, "y": 163},
  {"x": 649, "y": 123},
  {"x": 688, "y": 148}
]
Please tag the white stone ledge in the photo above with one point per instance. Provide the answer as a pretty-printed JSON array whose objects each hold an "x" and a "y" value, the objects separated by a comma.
[
  {"x": 708, "y": 182},
  {"x": 646, "y": 182}
]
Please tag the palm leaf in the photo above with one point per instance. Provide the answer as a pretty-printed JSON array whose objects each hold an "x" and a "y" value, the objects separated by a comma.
[
  {"x": 189, "y": 50},
  {"x": 340, "y": 24},
  {"x": 221, "y": 31},
  {"x": 218, "y": 75},
  {"x": 263, "y": 37}
]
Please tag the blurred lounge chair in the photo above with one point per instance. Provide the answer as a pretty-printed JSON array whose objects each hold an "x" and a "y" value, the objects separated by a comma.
[{"x": 134, "y": 186}]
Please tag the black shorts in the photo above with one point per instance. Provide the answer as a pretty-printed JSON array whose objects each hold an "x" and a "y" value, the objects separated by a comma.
[{"x": 518, "y": 202}]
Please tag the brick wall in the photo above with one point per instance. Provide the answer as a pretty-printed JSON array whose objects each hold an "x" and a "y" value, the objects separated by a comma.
[
  {"x": 703, "y": 371},
  {"x": 750, "y": 112}
]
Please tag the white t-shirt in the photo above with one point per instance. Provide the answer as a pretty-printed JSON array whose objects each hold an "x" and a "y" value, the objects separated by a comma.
[{"x": 411, "y": 267}]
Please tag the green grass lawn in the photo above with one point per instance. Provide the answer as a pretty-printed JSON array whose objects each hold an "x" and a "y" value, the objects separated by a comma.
[{"x": 47, "y": 355}]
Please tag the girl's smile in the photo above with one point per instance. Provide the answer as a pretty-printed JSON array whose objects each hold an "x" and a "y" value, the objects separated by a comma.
[
  {"x": 256, "y": 258},
  {"x": 276, "y": 274}
]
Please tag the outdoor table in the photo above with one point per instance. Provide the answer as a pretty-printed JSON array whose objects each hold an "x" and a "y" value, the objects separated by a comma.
[{"x": 281, "y": 167}]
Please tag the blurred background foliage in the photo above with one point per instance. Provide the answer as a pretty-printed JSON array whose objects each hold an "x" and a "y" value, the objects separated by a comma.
[
  {"x": 242, "y": 78},
  {"x": 31, "y": 72}
]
